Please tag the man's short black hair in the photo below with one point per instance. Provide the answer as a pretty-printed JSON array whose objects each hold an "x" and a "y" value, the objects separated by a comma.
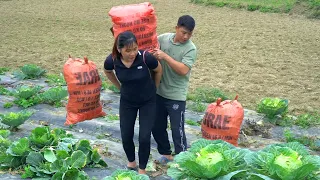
[{"x": 187, "y": 22}]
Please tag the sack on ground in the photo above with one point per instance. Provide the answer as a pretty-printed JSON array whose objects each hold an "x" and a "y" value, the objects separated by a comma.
[
  {"x": 223, "y": 121},
  {"x": 138, "y": 18},
  {"x": 84, "y": 85}
]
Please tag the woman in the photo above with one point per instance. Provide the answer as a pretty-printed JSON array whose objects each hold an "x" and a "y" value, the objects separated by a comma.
[{"x": 137, "y": 92}]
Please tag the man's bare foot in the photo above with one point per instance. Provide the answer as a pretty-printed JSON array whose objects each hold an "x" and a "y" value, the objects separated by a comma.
[
  {"x": 142, "y": 171},
  {"x": 169, "y": 157},
  {"x": 164, "y": 159}
]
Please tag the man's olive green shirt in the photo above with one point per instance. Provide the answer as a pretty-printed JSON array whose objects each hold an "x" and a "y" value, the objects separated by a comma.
[{"x": 174, "y": 86}]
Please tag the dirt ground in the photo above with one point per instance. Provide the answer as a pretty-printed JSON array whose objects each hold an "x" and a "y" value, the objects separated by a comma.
[{"x": 252, "y": 54}]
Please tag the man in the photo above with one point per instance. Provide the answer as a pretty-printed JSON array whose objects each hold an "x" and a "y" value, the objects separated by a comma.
[{"x": 177, "y": 55}]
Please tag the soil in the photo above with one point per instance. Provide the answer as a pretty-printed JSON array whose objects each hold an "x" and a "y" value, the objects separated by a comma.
[{"x": 252, "y": 54}]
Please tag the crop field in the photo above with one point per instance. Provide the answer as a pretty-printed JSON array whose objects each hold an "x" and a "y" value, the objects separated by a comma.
[{"x": 253, "y": 54}]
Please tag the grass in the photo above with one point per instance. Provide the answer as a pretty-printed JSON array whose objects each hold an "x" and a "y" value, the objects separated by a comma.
[
  {"x": 4, "y": 91},
  {"x": 112, "y": 117},
  {"x": 197, "y": 106},
  {"x": 55, "y": 80},
  {"x": 206, "y": 94},
  {"x": 203, "y": 95},
  {"x": 3, "y": 70},
  {"x": 108, "y": 85},
  {"x": 276, "y": 6},
  {"x": 308, "y": 120},
  {"x": 311, "y": 142},
  {"x": 252, "y": 5},
  {"x": 8, "y": 105},
  {"x": 192, "y": 123},
  {"x": 312, "y": 6},
  {"x": 305, "y": 120}
]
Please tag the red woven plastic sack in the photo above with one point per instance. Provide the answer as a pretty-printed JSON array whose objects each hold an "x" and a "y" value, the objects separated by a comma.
[
  {"x": 223, "y": 121},
  {"x": 84, "y": 85},
  {"x": 138, "y": 18}
]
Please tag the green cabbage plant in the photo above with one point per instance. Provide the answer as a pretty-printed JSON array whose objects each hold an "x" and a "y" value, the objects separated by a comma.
[
  {"x": 27, "y": 96},
  {"x": 29, "y": 71},
  {"x": 49, "y": 154},
  {"x": 13, "y": 120},
  {"x": 54, "y": 96},
  {"x": 208, "y": 159},
  {"x": 272, "y": 106},
  {"x": 284, "y": 161}
]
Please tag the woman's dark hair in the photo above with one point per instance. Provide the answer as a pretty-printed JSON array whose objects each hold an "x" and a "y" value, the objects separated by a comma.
[
  {"x": 187, "y": 22},
  {"x": 124, "y": 39}
]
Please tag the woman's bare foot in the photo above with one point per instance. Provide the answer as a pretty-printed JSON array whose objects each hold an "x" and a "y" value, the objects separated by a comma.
[
  {"x": 142, "y": 171},
  {"x": 132, "y": 164}
]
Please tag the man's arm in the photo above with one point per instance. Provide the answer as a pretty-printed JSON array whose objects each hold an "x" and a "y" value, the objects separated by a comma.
[{"x": 179, "y": 67}]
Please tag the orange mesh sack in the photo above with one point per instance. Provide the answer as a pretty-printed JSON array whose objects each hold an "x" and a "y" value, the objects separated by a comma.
[
  {"x": 138, "y": 18},
  {"x": 223, "y": 121},
  {"x": 84, "y": 85}
]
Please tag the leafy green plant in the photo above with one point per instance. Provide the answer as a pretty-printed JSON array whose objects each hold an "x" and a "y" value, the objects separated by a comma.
[
  {"x": 29, "y": 71},
  {"x": 286, "y": 120},
  {"x": 25, "y": 103},
  {"x": 13, "y": 120},
  {"x": 27, "y": 96},
  {"x": 208, "y": 95},
  {"x": 307, "y": 120},
  {"x": 56, "y": 80},
  {"x": 4, "y": 91},
  {"x": 54, "y": 96},
  {"x": 51, "y": 154},
  {"x": 208, "y": 159},
  {"x": 15, "y": 155},
  {"x": 284, "y": 161},
  {"x": 288, "y": 135},
  {"x": 3, "y": 70},
  {"x": 41, "y": 137},
  {"x": 26, "y": 92},
  {"x": 8, "y": 105},
  {"x": 4, "y": 133},
  {"x": 4, "y": 143},
  {"x": 126, "y": 175},
  {"x": 272, "y": 107}
]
